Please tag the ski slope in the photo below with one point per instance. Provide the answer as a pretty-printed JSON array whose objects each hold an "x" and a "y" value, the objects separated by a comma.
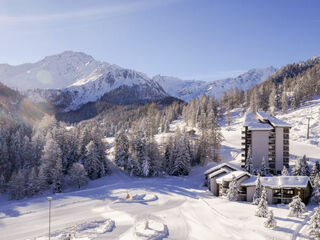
[{"x": 174, "y": 207}]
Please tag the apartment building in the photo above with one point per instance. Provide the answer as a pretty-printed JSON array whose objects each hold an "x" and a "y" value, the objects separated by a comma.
[{"x": 265, "y": 137}]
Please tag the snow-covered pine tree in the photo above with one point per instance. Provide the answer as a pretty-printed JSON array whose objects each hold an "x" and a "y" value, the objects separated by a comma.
[
  {"x": 258, "y": 191},
  {"x": 51, "y": 155},
  {"x": 91, "y": 161},
  {"x": 316, "y": 189},
  {"x": 318, "y": 165},
  {"x": 273, "y": 101},
  {"x": 316, "y": 180},
  {"x": 16, "y": 184},
  {"x": 305, "y": 171},
  {"x": 270, "y": 222},
  {"x": 33, "y": 186},
  {"x": 284, "y": 171},
  {"x": 57, "y": 177},
  {"x": 314, "y": 228},
  {"x": 121, "y": 150},
  {"x": 262, "y": 208},
  {"x": 254, "y": 101},
  {"x": 140, "y": 150},
  {"x": 146, "y": 166},
  {"x": 78, "y": 175},
  {"x": 181, "y": 158},
  {"x": 248, "y": 164},
  {"x": 284, "y": 101},
  {"x": 313, "y": 173},
  {"x": 232, "y": 192},
  {"x": 296, "y": 207},
  {"x": 296, "y": 171}
]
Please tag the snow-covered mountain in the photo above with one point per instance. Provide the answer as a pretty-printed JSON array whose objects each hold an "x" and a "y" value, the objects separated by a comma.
[
  {"x": 114, "y": 84},
  {"x": 71, "y": 79},
  {"x": 186, "y": 89},
  {"x": 52, "y": 72}
]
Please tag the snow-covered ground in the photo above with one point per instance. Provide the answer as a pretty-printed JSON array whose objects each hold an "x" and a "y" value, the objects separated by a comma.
[{"x": 123, "y": 207}]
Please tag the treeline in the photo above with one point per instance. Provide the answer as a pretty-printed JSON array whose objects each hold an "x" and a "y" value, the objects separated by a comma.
[
  {"x": 290, "y": 87},
  {"x": 52, "y": 156},
  {"x": 139, "y": 153},
  {"x": 49, "y": 156}
]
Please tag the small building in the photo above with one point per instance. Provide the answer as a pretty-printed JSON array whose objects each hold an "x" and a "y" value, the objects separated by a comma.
[
  {"x": 265, "y": 137},
  {"x": 280, "y": 189}
]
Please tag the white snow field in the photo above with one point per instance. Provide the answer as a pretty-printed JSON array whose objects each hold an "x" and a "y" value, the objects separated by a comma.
[{"x": 165, "y": 207}]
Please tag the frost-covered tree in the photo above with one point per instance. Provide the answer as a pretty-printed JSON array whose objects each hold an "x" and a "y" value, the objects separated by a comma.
[
  {"x": 181, "y": 156},
  {"x": 316, "y": 189},
  {"x": 51, "y": 164},
  {"x": 121, "y": 150},
  {"x": 91, "y": 161},
  {"x": 146, "y": 166},
  {"x": 248, "y": 163},
  {"x": 297, "y": 170},
  {"x": 33, "y": 186},
  {"x": 78, "y": 175},
  {"x": 57, "y": 177},
  {"x": 318, "y": 165},
  {"x": 258, "y": 191},
  {"x": 284, "y": 102},
  {"x": 17, "y": 185},
  {"x": 284, "y": 171},
  {"x": 305, "y": 171},
  {"x": 313, "y": 173},
  {"x": 316, "y": 180},
  {"x": 296, "y": 207},
  {"x": 314, "y": 228},
  {"x": 232, "y": 192},
  {"x": 262, "y": 208},
  {"x": 270, "y": 222},
  {"x": 273, "y": 101}
]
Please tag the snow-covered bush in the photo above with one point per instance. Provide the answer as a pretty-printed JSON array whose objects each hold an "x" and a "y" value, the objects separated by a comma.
[
  {"x": 296, "y": 207},
  {"x": 314, "y": 229},
  {"x": 262, "y": 208},
  {"x": 270, "y": 222},
  {"x": 232, "y": 192}
]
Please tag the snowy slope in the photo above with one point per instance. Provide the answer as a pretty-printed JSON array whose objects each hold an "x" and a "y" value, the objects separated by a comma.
[{"x": 186, "y": 90}]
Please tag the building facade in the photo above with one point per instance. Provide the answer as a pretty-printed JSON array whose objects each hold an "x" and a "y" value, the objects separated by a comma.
[
  {"x": 265, "y": 139},
  {"x": 279, "y": 189}
]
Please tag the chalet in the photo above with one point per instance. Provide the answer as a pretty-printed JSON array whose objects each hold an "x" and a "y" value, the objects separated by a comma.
[
  {"x": 265, "y": 137},
  {"x": 280, "y": 189}
]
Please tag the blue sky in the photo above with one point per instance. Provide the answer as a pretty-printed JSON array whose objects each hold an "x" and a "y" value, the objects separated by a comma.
[{"x": 191, "y": 39}]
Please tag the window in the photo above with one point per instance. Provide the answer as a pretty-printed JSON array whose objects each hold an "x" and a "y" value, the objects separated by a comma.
[{"x": 288, "y": 191}]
